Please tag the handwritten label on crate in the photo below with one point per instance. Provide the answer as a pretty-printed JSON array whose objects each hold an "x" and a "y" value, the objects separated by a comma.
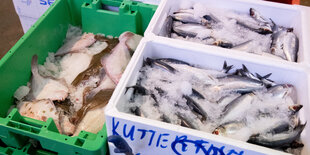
[
  {"x": 145, "y": 138},
  {"x": 46, "y": 2}
]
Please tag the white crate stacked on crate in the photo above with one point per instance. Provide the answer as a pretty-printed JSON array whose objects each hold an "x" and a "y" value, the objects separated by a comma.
[
  {"x": 148, "y": 136},
  {"x": 29, "y": 11}
]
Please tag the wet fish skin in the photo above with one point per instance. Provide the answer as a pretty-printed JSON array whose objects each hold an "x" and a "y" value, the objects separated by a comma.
[
  {"x": 74, "y": 46},
  {"x": 186, "y": 17},
  {"x": 175, "y": 61},
  {"x": 159, "y": 63},
  {"x": 99, "y": 100},
  {"x": 285, "y": 44},
  {"x": 233, "y": 108},
  {"x": 243, "y": 46},
  {"x": 281, "y": 90},
  {"x": 185, "y": 122},
  {"x": 277, "y": 140},
  {"x": 168, "y": 26},
  {"x": 239, "y": 84},
  {"x": 43, "y": 87},
  {"x": 95, "y": 64},
  {"x": 228, "y": 128},
  {"x": 257, "y": 16},
  {"x": 265, "y": 29},
  {"x": 196, "y": 107}
]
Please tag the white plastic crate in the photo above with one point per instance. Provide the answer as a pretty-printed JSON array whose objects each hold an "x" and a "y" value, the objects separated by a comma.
[
  {"x": 148, "y": 136},
  {"x": 295, "y": 16}
]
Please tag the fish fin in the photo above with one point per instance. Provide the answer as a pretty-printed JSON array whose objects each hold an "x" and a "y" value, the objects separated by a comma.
[
  {"x": 197, "y": 94},
  {"x": 245, "y": 69},
  {"x": 267, "y": 76},
  {"x": 227, "y": 68},
  {"x": 258, "y": 76}
]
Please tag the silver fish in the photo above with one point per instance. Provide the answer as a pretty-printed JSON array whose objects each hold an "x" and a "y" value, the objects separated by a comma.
[
  {"x": 190, "y": 30},
  {"x": 285, "y": 44},
  {"x": 245, "y": 46},
  {"x": 277, "y": 140},
  {"x": 229, "y": 128},
  {"x": 186, "y": 17},
  {"x": 237, "y": 106},
  {"x": 281, "y": 90},
  {"x": 239, "y": 84},
  {"x": 257, "y": 16}
]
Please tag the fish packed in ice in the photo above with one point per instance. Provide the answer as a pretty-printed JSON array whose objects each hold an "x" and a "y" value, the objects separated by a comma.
[
  {"x": 235, "y": 104},
  {"x": 74, "y": 84},
  {"x": 250, "y": 32}
]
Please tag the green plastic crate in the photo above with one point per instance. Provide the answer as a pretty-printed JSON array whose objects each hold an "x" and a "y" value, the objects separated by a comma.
[{"x": 47, "y": 35}]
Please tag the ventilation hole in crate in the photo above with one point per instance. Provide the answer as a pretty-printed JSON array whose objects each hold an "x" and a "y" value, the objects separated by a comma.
[
  {"x": 9, "y": 116},
  {"x": 45, "y": 126},
  {"x": 77, "y": 153},
  {"x": 134, "y": 3},
  {"x": 25, "y": 149},
  {"x": 66, "y": 139},
  {"x": 79, "y": 142},
  {"x": 86, "y": 4},
  {"x": 101, "y": 136},
  {"x": 132, "y": 12}
]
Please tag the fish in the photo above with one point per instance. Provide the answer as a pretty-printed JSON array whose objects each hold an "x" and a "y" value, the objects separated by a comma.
[
  {"x": 136, "y": 111},
  {"x": 93, "y": 121},
  {"x": 195, "y": 107},
  {"x": 159, "y": 63},
  {"x": 277, "y": 140},
  {"x": 239, "y": 84},
  {"x": 243, "y": 46},
  {"x": 267, "y": 82},
  {"x": 95, "y": 64},
  {"x": 295, "y": 108},
  {"x": 192, "y": 31},
  {"x": 120, "y": 144},
  {"x": 99, "y": 100},
  {"x": 210, "y": 18},
  {"x": 224, "y": 44},
  {"x": 285, "y": 44},
  {"x": 174, "y": 61},
  {"x": 261, "y": 29},
  {"x": 168, "y": 27},
  {"x": 78, "y": 44},
  {"x": 281, "y": 90},
  {"x": 115, "y": 64},
  {"x": 42, "y": 87},
  {"x": 229, "y": 128},
  {"x": 185, "y": 122},
  {"x": 40, "y": 110},
  {"x": 104, "y": 84},
  {"x": 186, "y": 17},
  {"x": 237, "y": 107},
  {"x": 257, "y": 16}
]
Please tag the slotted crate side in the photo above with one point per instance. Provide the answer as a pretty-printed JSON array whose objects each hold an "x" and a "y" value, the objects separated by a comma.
[{"x": 47, "y": 35}]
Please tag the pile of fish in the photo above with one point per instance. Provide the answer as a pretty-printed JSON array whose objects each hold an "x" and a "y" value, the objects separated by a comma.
[
  {"x": 251, "y": 32},
  {"x": 75, "y": 83},
  {"x": 235, "y": 104}
]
